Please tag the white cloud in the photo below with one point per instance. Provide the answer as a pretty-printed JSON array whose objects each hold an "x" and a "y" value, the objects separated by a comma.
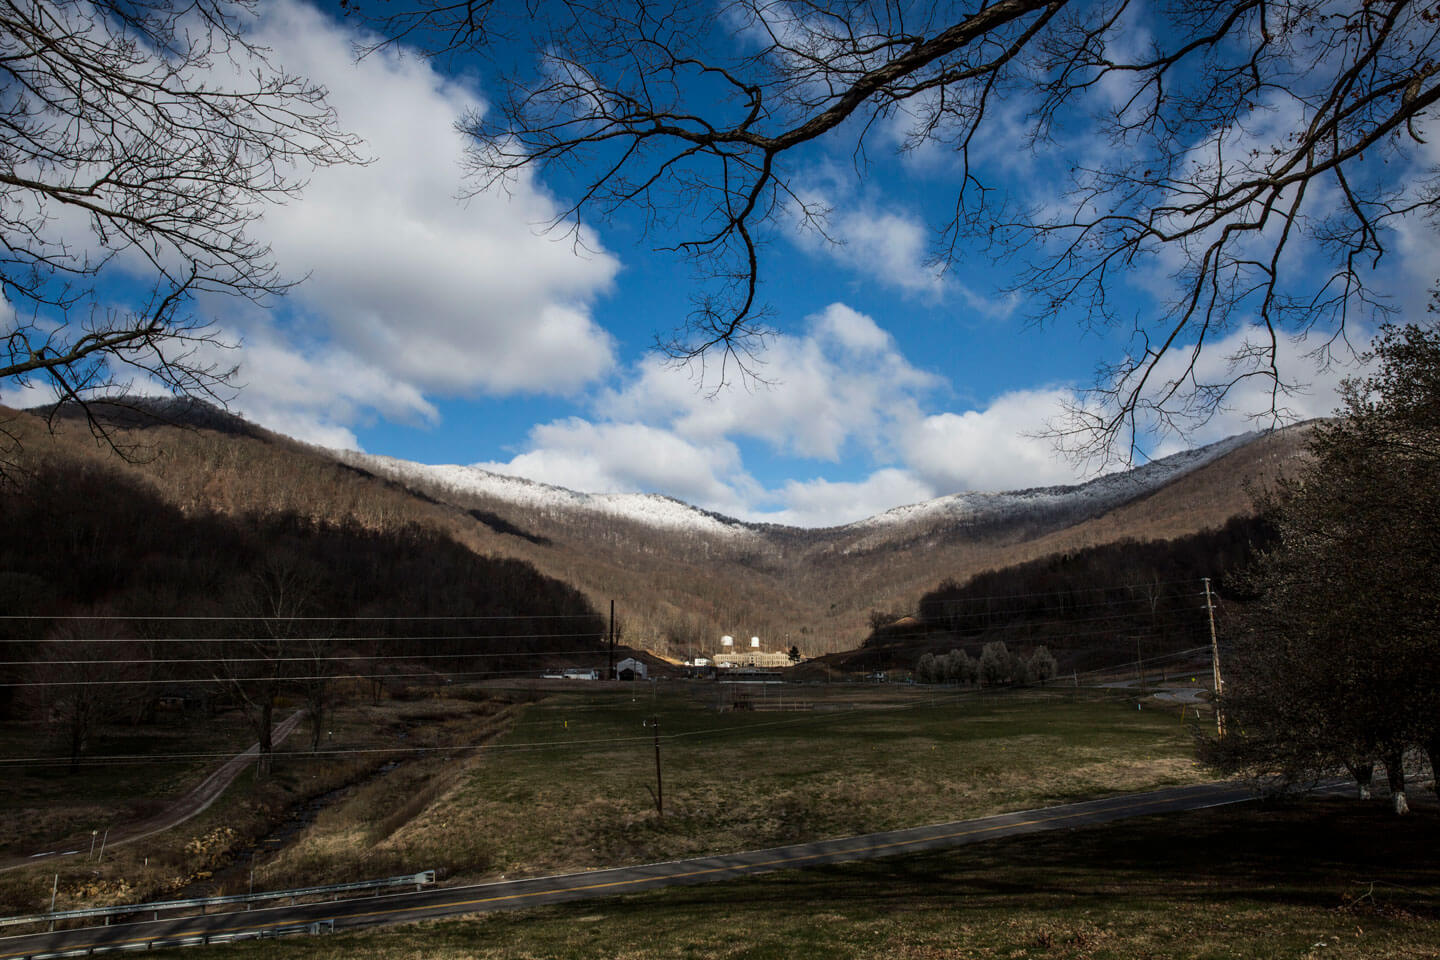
[
  {"x": 317, "y": 394},
  {"x": 885, "y": 245},
  {"x": 1314, "y": 383},
  {"x": 839, "y": 384},
  {"x": 991, "y": 449},
  {"x": 447, "y": 297},
  {"x": 842, "y": 390},
  {"x": 823, "y": 503},
  {"x": 629, "y": 458}
]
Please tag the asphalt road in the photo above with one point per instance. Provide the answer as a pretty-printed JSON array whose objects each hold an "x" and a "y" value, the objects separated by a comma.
[{"x": 510, "y": 894}]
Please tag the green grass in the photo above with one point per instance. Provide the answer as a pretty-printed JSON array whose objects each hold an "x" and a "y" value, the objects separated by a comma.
[
  {"x": 1338, "y": 879},
  {"x": 568, "y": 787},
  {"x": 564, "y": 784}
]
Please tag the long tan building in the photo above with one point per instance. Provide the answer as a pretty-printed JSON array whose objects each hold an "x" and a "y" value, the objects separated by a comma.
[{"x": 750, "y": 657}]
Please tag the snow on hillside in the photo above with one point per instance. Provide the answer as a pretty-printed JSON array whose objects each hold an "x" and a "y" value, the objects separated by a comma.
[
  {"x": 1093, "y": 497},
  {"x": 648, "y": 508},
  {"x": 668, "y": 513}
]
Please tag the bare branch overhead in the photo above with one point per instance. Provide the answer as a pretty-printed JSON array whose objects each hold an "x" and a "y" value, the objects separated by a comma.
[{"x": 1250, "y": 157}]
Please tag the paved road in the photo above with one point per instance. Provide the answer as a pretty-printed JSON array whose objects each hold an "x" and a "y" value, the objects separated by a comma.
[
  {"x": 190, "y": 805},
  {"x": 399, "y": 908}
]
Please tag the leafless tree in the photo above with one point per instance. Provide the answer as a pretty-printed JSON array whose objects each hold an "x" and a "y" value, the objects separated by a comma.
[
  {"x": 80, "y": 677},
  {"x": 1247, "y": 157},
  {"x": 139, "y": 141},
  {"x": 284, "y": 651}
]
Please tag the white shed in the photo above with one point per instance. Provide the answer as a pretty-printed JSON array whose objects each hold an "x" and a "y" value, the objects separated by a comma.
[{"x": 631, "y": 669}]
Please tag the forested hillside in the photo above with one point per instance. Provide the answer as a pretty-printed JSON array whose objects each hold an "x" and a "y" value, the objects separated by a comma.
[
  {"x": 1094, "y": 607},
  {"x": 113, "y": 591},
  {"x": 677, "y": 589}
]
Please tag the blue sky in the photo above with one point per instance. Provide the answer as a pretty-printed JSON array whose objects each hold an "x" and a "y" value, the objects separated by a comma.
[{"x": 452, "y": 331}]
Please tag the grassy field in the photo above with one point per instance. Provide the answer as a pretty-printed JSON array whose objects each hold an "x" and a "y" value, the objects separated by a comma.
[
  {"x": 49, "y": 807},
  {"x": 563, "y": 784},
  {"x": 568, "y": 787},
  {"x": 1339, "y": 880}
]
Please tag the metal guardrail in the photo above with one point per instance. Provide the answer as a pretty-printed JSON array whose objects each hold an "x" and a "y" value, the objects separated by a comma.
[
  {"x": 420, "y": 879},
  {"x": 193, "y": 940}
]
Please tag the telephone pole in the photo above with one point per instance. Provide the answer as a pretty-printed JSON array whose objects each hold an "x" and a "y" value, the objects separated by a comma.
[
  {"x": 610, "y": 673},
  {"x": 1214, "y": 660},
  {"x": 659, "y": 791}
]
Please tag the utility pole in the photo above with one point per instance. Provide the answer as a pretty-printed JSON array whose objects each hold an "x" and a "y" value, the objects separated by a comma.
[
  {"x": 659, "y": 791},
  {"x": 1139, "y": 666},
  {"x": 610, "y": 674},
  {"x": 1214, "y": 660}
]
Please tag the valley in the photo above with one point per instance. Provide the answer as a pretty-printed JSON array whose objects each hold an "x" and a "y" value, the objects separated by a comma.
[
  {"x": 223, "y": 574},
  {"x": 680, "y": 578}
]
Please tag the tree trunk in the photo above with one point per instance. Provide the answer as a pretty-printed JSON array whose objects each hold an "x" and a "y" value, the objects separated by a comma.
[
  {"x": 77, "y": 738},
  {"x": 317, "y": 720},
  {"x": 265, "y": 733},
  {"x": 1395, "y": 774},
  {"x": 1363, "y": 772}
]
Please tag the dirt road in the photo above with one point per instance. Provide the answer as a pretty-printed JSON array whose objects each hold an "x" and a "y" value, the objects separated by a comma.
[{"x": 190, "y": 805}]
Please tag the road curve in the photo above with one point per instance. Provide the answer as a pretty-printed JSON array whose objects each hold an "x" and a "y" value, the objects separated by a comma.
[
  {"x": 510, "y": 894},
  {"x": 190, "y": 805}
]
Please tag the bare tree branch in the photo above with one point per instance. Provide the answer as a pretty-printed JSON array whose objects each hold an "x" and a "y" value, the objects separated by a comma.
[
  {"x": 1245, "y": 138},
  {"x": 140, "y": 138}
]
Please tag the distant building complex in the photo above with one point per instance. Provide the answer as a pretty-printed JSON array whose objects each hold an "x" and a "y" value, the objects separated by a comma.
[{"x": 730, "y": 656}]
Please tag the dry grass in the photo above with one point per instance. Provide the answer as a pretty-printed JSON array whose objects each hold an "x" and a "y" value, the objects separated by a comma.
[
  {"x": 197, "y": 856},
  {"x": 382, "y": 827},
  {"x": 1336, "y": 880}
]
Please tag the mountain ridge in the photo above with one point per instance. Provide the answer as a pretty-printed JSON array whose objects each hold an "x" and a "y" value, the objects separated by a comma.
[
  {"x": 679, "y": 587},
  {"x": 475, "y": 479}
]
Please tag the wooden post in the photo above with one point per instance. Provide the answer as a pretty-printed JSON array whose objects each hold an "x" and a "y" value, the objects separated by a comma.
[{"x": 1214, "y": 661}]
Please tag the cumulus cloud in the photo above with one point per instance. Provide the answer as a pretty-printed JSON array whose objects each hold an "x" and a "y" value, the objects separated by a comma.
[
  {"x": 823, "y": 503},
  {"x": 834, "y": 387},
  {"x": 1313, "y": 374},
  {"x": 997, "y": 447},
  {"x": 842, "y": 391},
  {"x": 630, "y": 458},
  {"x": 318, "y": 395},
  {"x": 847, "y": 393},
  {"x": 449, "y": 297}
]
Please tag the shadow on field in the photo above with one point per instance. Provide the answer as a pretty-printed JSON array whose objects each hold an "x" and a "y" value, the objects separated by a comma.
[{"x": 1328, "y": 854}]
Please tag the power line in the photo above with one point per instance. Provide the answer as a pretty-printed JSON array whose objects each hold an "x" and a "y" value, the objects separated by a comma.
[
  {"x": 1145, "y": 585},
  {"x": 143, "y": 616},
  {"x": 534, "y": 746},
  {"x": 259, "y": 679},
  {"x": 957, "y": 697},
  {"x": 1128, "y": 635},
  {"x": 340, "y": 658},
  {"x": 326, "y": 639}
]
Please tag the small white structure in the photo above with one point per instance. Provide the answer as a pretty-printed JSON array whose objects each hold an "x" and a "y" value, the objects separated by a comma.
[
  {"x": 755, "y": 643},
  {"x": 631, "y": 669},
  {"x": 575, "y": 673},
  {"x": 727, "y": 641}
]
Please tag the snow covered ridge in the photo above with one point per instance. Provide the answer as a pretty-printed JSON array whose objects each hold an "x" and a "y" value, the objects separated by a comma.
[
  {"x": 648, "y": 508},
  {"x": 1095, "y": 496},
  {"x": 668, "y": 513}
]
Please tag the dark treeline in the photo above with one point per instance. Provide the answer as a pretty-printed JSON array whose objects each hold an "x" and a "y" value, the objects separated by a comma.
[
  {"x": 88, "y": 541},
  {"x": 1091, "y": 607}
]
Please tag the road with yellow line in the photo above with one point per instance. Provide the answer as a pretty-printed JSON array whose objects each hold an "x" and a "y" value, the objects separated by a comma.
[{"x": 510, "y": 894}]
